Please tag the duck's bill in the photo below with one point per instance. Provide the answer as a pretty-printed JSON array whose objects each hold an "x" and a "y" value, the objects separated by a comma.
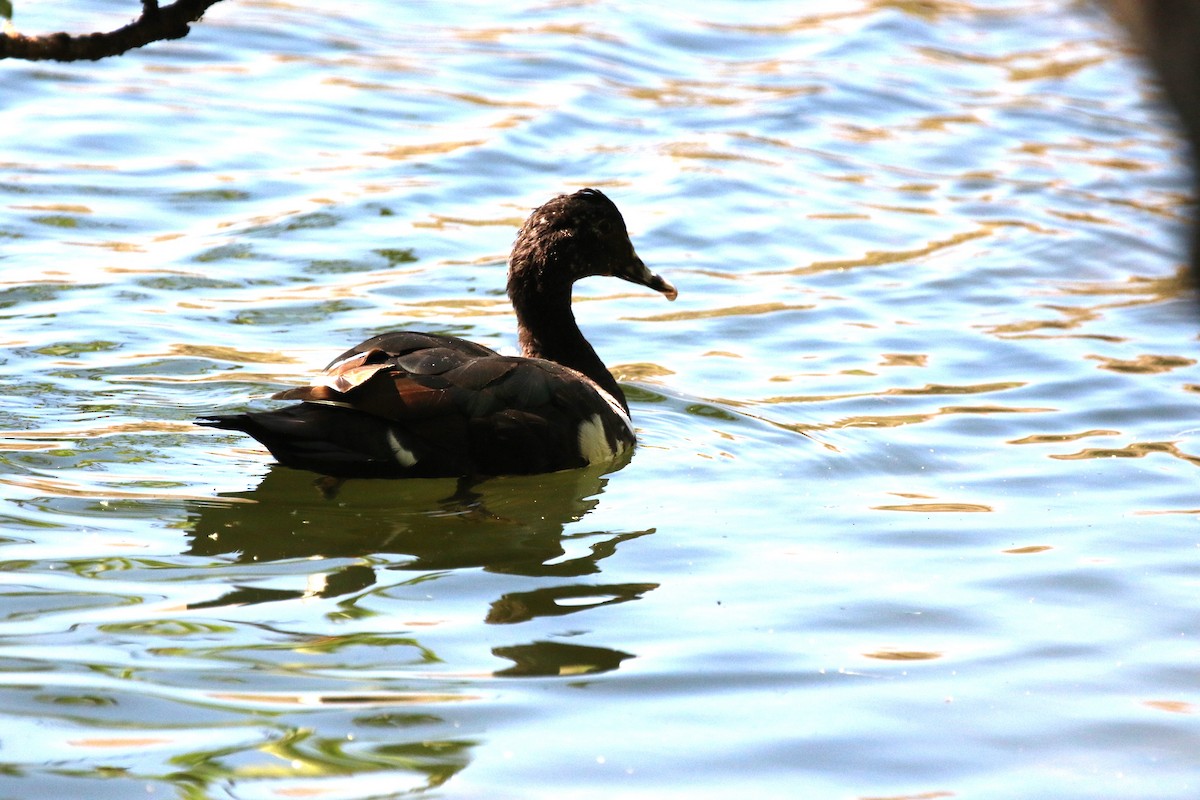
[{"x": 637, "y": 272}]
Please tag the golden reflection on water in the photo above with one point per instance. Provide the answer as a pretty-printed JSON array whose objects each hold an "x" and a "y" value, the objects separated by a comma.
[
  {"x": 1140, "y": 290},
  {"x": 729, "y": 311},
  {"x": 63, "y": 488},
  {"x": 705, "y": 152},
  {"x": 439, "y": 222},
  {"x": 929, "y": 389},
  {"x": 1054, "y": 438},
  {"x": 682, "y": 92},
  {"x": 1143, "y": 364},
  {"x": 571, "y": 30},
  {"x": 932, "y": 10},
  {"x": 639, "y": 371},
  {"x": 937, "y": 508},
  {"x": 461, "y": 307},
  {"x": 1172, "y": 706},
  {"x": 114, "y": 246},
  {"x": 410, "y": 151},
  {"x": 875, "y": 258},
  {"x": 897, "y": 420},
  {"x": 1135, "y": 450},
  {"x": 904, "y": 655},
  {"x": 214, "y": 377},
  {"x": 1076, "y": 317},
  {"x": 62, "y": 208},
  {"x": 141, "y": 426},
  {"x": 904, "y": 360},
  {"x": 1053, "y": 69},
  {"x": 219, "y": 353},
  {"x": 1133, "y": 292}
]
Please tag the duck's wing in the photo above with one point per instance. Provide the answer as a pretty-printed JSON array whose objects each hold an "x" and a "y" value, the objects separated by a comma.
[
  {"x": 408, "y": 405},
  {"x": 401, "y": 343}
]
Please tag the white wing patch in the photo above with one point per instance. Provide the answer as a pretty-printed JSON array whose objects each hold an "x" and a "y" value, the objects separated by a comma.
[
  {"x": 612, "y": 403},
  {"x": 593, "y": 443},
  {"x": 404, "y": 456}
]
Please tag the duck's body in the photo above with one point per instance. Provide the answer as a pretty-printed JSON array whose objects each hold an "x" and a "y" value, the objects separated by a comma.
[
  {"x": 414, "y": 405},
  {"x": 409, "y": 404}
]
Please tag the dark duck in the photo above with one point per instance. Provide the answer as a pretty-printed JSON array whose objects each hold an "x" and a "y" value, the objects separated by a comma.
[{"x": 409, "y": 405}]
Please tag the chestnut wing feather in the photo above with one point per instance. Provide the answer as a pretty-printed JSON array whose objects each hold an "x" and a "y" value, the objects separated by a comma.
[{"x": 398, "y": 375}]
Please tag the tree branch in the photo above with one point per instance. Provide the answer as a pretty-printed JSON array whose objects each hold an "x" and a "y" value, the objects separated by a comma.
[{"x": 154, "y": 25}]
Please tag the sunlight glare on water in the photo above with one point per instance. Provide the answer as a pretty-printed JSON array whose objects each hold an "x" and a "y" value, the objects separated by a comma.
[{"x": 913, "y": 512}]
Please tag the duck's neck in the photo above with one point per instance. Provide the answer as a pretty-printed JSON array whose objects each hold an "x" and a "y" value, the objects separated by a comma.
[{"x": 547, "y": 329}]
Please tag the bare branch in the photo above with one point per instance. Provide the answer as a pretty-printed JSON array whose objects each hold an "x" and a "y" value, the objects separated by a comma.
[{"x": 154, "y": 25}]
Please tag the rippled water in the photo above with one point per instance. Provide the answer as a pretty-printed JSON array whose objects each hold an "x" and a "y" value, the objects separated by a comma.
[{"x": 915, "y": 509}]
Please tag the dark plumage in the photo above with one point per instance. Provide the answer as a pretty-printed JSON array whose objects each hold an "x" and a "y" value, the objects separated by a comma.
[{"x": 409, "y": 404}]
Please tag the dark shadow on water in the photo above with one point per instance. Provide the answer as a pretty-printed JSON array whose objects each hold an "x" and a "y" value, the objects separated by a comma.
[
  {"x": 522, "y": 606},
  {"x": 549, "y": 659},
  {"x": 521, "y": 526},
  {"x": 513, "y": 525},
  {"x": 516, "y": 526}
]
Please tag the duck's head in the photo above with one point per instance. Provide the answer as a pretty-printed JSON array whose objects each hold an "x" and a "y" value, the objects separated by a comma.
[{"x": 575, "y": 236}]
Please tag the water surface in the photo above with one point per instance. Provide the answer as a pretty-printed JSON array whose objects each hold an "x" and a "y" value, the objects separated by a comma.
[{"x": 914, "y": 511}]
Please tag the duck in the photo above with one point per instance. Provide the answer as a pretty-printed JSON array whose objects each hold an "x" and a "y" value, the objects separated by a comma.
[{"x": 407, "y": 404}]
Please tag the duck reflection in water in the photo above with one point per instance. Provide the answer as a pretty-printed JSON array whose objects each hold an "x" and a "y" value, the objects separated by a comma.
[{"x": 523, "y": 534}]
